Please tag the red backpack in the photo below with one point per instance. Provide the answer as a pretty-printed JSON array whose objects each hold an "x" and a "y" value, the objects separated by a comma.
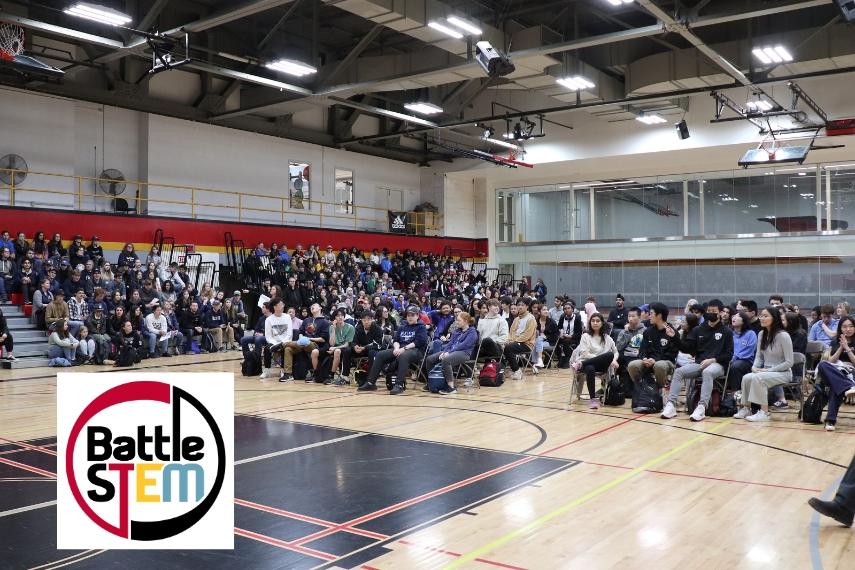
[{"x": 491, "y": 375}]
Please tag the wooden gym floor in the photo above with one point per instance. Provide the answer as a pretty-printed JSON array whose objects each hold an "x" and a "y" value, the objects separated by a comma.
[{"x": 508, "y": 477}]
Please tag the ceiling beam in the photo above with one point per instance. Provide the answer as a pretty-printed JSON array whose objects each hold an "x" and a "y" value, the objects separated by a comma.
[
  {"x": 149, "y": 19},
  {"x": 364, "y": 43}
]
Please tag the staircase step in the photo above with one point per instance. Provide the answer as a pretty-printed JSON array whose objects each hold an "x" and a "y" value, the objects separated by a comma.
[
  {"x": 30, "y": 362},
  {"x": 29, "y": 340},
  {"x": 21, "y": 320},
  {"x": 21, "y": 334},
  {"x": 13, "y": 311},
  {"x": 31, "y": 350}
]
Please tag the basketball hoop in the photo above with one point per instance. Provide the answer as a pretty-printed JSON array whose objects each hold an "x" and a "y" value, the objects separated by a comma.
[{"x": 11, "y": 41}]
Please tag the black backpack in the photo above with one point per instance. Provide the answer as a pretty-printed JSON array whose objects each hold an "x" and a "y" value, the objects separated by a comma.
[
  {"x": 726, "y": 406},
  {"x": 208, "y": 342},
  {"x": 251, "y": 365},
  {"x": 811, "y": 412},
  {"x": 646, "y": 398},
  {"x": 127, "y": 356},
  {"x": 613, "y": 393}
]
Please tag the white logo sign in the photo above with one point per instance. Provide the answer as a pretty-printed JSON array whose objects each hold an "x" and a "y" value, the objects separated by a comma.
[{"x": 145, "y": 461}]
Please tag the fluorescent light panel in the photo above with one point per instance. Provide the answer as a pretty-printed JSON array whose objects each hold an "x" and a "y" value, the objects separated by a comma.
[
  {"x": 292, "y": 67},
  {"x": 424, "y": 108},
  {"x": 619, "y": 2},
  {"x": 98, "y": 13},
  {"x": 654, "y": 119},
  {"x": 465, "y": 26},
  {"x": 759, "y": 105},
  {"x": 575, "y": 83},
  {"x": 502, "y": 143},
  {"x": 770, "y": 55},
  {"x": 445, "y": 30}
]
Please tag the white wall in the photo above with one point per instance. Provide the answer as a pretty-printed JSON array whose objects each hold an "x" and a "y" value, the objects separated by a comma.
[
  {"x": 71, "y": 138},
  {"x": 464, "y": 207}
]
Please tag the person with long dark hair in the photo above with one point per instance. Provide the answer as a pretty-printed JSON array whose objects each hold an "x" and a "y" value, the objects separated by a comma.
[
  {"x": 596, "y": 353},
  {"x": 798, "y": 334},
  {"x": 773, "y": 365},
  {"x": 837, "y": 372},
  {"x": 744, "y": 350}
]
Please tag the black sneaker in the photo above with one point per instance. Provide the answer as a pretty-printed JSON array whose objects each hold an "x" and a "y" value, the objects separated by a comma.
[
  {"x": 397, "y": 389},
  {"x": 832, "y": 510},
  {"x": 166, "y": 355},
  {"x": 285, "y": 377},
  {"x": 367, "y": 387}
]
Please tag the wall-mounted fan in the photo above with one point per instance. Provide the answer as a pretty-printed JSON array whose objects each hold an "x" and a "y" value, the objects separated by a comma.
[
  {"x": 112, "y": 182},
  {"x": 13, "y": 162}
]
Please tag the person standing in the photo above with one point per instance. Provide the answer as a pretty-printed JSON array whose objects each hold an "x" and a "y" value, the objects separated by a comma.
[{"x": 842, "y": 507}]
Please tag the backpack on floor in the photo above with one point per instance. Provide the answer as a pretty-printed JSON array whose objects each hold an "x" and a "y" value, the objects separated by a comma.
[
  {"x": 727, "y": 406},
  {"x": 436, "y": 379},
  {"x": 251, "y": 365},
  {"x": 613, "y": 393},
  {"x": 811, "y": 412},
  {"x": 693, "y": 395},
  {"x": 646, "y": 398},
  {"x": 208, "y": 342},
  {"x": 126, "y": 356},
  {"x": 490, "y": 375}
]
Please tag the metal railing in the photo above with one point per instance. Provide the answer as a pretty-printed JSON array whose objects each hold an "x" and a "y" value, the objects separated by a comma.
[{"x": 62, "y": 191}]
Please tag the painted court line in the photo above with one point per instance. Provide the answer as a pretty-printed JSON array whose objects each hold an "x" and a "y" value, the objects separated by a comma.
[
  {"x": 283, "y": 544},
  {"x": 28, "y": 446},
  {"x": 478, "y": 552},
  {"x": 74, "y": 558},
  {"x": 296, "y": 449},
  {"x": 29, "y": 468},
  {"x": 708, "y": 477},
  {"x": 813, "y": 529},
  {"x": 27, "y": 508}
]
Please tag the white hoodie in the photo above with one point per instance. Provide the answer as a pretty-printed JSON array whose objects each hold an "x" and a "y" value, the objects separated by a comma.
[{"x": 495, "y": 328}]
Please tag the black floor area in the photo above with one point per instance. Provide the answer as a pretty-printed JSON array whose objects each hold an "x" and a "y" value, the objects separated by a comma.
[{"x": 381, "y": 486}]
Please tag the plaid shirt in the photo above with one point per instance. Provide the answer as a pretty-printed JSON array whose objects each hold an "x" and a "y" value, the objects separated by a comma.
[{"x": 77, "y": 312}]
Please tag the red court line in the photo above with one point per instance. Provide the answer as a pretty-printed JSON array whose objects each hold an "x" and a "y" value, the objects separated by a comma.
[
  {"x": 283, "y": 544},
  {"x": 710, "y": 478},
  {"x": 29, "y": 468},
  {"x": 28, "y": 446},
  {"x": 358, "y": 531},
  {"x": 590, "y": 435}
]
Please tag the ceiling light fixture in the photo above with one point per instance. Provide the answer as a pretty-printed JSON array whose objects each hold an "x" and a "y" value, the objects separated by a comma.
[
  {"x": 760, "y": 106},
  {"x": 292, "y": 67},
  {"x": 502, "y": 143},
  {"x": 619, "y": 2},
  {"x": 98, "y": 13},
  {"x": 423, "y": 108},
  {"x": 445, "y": 30},
  {"x": 770, "y": 55},
  {"x": 576, "y": 83},
  {"x": 653, "y": 119},
  {"x": 465, "y": 26}
]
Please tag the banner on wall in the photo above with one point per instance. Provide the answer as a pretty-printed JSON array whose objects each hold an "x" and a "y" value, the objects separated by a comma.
[{"x": 397, "y": 222}]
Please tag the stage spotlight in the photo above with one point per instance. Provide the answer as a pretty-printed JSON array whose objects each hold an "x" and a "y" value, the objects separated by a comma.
[{"x": 682, "y": 129}]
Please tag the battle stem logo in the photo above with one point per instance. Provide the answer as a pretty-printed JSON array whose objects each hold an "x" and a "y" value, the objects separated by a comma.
[{"x": 146, "y": 462}]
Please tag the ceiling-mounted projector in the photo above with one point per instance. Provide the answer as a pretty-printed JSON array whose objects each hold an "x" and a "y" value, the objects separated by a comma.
[{"x": 492, "y": 60}]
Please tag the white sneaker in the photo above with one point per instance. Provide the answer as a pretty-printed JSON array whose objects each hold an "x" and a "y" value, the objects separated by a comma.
[
  {"x": 759, "y": 416},
  {"x": 829, "y": 427},
  {"x": 517, "y": 375},
  {"x": 669, "y": 412},
  {"x": 265, "y": 373},
  {"x": 539, "y": 364},
  {"x": 699, "y": 413},
  {"x": 742, "y": 413}
]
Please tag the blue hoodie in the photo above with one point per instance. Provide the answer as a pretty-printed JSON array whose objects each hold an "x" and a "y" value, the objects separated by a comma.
[
  {"x": 462, "y": 341},
  {"x": 744, "y": 345},
  {"x": 416, "y": 333},
  {"x": 441, "y": 322}
]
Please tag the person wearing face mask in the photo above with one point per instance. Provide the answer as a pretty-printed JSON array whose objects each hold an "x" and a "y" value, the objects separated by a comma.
[{"x": 711, "y": 343}]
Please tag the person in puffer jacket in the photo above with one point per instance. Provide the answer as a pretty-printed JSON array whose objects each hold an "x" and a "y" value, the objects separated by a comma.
[
  {"x": 459, "y": 348},
  {"x": 410, "y": 343}
]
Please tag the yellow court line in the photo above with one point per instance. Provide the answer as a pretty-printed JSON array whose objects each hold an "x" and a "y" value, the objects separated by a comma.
[{"x": 479, "y": 552}]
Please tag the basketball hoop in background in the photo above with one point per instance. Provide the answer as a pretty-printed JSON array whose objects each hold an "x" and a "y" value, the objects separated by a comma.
[{"x": 11, "y": 41}]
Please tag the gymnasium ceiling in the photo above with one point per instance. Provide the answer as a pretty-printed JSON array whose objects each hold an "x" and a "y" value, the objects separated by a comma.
[{"x": 375, "y": 55}]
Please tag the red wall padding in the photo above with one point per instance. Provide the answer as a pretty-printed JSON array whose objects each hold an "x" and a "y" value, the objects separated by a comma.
[{"x": 140, "y": 230}]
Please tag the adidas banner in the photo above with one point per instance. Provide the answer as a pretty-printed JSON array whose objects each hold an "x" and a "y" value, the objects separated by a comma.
[{"x": 397, "y": 222}]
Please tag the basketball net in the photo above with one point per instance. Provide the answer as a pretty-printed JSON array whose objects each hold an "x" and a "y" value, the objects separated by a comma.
[{"x": 11, "y": 41}]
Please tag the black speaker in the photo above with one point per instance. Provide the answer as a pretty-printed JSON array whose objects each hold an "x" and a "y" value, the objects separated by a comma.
[
  {"x": 682, "y": 130},
  {"x": 847, "y": 9}
]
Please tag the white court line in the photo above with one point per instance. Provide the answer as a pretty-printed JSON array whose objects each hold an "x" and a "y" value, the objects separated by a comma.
[
  {"x": 296, "y": 449},
  {"x": 28, "y": 508}
]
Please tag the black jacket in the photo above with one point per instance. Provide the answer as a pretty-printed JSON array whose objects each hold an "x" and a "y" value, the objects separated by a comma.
[
  {"x": 658, "y": 345},
  {"x": 366, "y": 338},
  {"x": 618, "y": 318},
  {"x": 191, "y": 320},
  {"x": 575, "y": 328},
  {"x": 292, "y": 297},
  {"x": 709, "y": 342},
  {"x": 551, "y": 331}
]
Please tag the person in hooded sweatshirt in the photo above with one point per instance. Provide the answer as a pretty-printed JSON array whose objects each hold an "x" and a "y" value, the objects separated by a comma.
[
  {"x": 493, "y": 331},
  {"x": 407, "y": 349},
  {"x": 459, "y": 349}
]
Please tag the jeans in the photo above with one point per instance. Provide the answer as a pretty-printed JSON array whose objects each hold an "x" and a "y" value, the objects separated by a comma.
[
  {"x": 512, "y": 350},
  {"x": 4, "y": 285},
  {"x": 8, "y": 344},
  {"x": 257, "y": 341},
  {"x": 838, "y": 383},
  {"x": 738, "y": 369},
  {"x": 692, "y": 372},
  {"x": 385, "y": 357},
  {"x": 154, "y": 340},
  {"x": 55, "y": 351},
  {"x": 449, "y": 363},
  {"x": 188, "y": 338},
  {"x": 73, "y": 327}
]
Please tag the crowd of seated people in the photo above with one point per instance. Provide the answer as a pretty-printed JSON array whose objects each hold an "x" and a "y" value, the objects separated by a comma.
[{"x": 386, "y": 313}]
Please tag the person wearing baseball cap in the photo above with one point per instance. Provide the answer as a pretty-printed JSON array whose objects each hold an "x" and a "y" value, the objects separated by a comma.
[
  {"x": 95, "y": 251},
  {"x": 96, "y": 324},
  {"x": 408, "y": 348}
]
